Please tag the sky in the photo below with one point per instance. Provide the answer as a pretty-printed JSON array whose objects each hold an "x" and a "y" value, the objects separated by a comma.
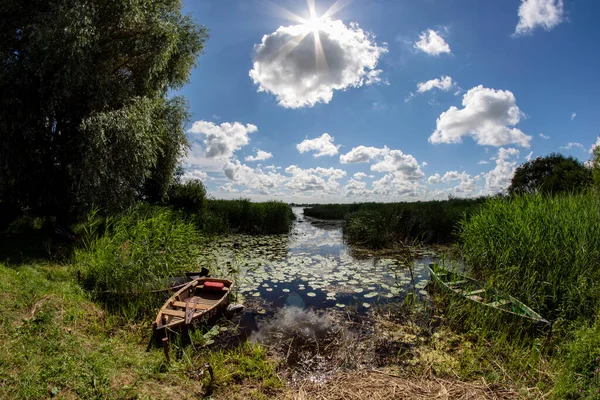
[{"x": 387, "y": 100}]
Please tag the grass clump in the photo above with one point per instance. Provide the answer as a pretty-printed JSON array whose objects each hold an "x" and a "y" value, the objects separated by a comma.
[
  {"x": 543, "y": 250},
  {"x": 136, "y": 251}
]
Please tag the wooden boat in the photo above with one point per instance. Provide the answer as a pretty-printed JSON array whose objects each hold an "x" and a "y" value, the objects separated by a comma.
[
  {"x": 202, "y": 297},
  {"x": 471, "y": 289}
]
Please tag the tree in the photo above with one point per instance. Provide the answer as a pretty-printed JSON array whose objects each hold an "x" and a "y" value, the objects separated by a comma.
[
  {"x": 554, "y": 173},
  {"x": 85, "y": 113}
]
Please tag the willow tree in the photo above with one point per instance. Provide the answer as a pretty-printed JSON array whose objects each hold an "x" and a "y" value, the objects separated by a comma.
[{"x": 85, "y": 112}]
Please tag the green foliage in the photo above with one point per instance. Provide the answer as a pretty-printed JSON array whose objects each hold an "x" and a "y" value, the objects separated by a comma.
[
  {"x": 543, "y": 250},
  {"x": 554, "y": 173},
  {"x": 189, "y": 196},
  {"x": 246, "y": 217},
  {"x": 136, "y": 252},
  {"x": 379, "y": 225},
  {"x": 84, "y": 111},
  {"x": 579, "y": 365}
]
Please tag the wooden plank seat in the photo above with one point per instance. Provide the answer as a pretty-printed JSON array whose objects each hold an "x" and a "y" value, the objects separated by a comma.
[{"x": 199, "y": 306}]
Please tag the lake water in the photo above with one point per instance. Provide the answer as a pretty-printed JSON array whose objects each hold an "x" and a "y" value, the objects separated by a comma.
[{"x": 312, "y": 267}]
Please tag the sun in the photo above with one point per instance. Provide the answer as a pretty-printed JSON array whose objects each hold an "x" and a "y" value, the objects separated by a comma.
[{"x": 314, "y": 24}]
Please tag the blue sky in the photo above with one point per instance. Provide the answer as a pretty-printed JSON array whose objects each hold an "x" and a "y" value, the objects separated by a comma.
[{"x": 373, "y": 100}]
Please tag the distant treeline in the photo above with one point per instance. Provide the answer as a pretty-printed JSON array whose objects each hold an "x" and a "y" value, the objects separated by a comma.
[{"x": 379, "y": 225}]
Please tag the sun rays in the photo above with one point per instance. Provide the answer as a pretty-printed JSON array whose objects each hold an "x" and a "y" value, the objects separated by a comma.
[{"x": 313, "y": 24}]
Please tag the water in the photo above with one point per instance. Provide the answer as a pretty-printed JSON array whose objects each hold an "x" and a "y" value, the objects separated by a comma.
[{"x": 312, "y": 267}]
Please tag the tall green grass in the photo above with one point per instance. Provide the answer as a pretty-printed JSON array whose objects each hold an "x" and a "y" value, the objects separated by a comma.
[
  {"x": 244, "y": 216},
  {"x": 379, "y": 225},
  {"x": 136, "y": 251},
  {"x": 543, "y": 250}
]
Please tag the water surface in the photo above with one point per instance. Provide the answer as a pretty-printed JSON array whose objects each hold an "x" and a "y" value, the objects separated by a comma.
[{"x": 312, "y": 267}]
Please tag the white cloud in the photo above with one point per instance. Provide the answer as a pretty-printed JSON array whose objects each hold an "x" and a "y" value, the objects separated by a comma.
[
  {"x": 573, "y": 115},
  {"x": 488, "y": 115},
  {"x": 255, "y": 179},
  {"x": 356, "y": 188},
  {"x": 434, "y": 179},
  {"x": 573, "y": 145},
  {"x": 221, "y": 141},
  {"x": 528, "y": 156},
  {"x": 194, "y": 174},
  {"x": 314, "y": 179},
  {"x": 544, "y": 136},
  {"x": 228, "y": 188},
  {"x": 597, "y": 144},
  {"x": 539, "y": 13},
  {"x": 405, "y": 165},
  {"x": 424, "y": 164},
  {"x": 432, "y": 43},
  {"x": 260, "y": 156},
  {"x": 359, "y": 175},
  {"x": 288, "y": 64},
  {"x": 499, "y": 178},
  {"x": 444, "y": 83},
  {"x": 362, "y": 154},
  {"x": 482, "y": 162},
  {"x": 322, "y": 146}
]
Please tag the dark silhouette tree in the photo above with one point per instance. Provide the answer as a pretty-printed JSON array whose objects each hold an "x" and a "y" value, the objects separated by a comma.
[
  {"x": 85, "y": 112},
  {"x": 554, "y": 173}
]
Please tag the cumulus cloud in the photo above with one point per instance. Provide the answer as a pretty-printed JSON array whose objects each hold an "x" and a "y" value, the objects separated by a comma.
[
  {"x": 544, "y": 136},
  {"x": 444, "y": 83},
  {"x": 573, "y": 145},
  {"x": 322, "y": 146},
  {"x": 432, "y": 43},
  {"x": 359, "y": 175},
  {"x": 405, "y": 165},
  {"x": 356, "y": 188},
  {"x": 434, "y": 179},
  {"x": 362, "y": 154},
  {"x": 291, "y": 64},
  {"x": 255, "y": 179},
  {"x": 499, "y": 178},
  {"x": 482, "y": 162},
  {"x": 597, "y": 144},
  {"x": 194, "y": 174},
  {"x": 260, "y": 156},
  {"x": 544, "y": 14},
  {"x": 221, "y": 141},
  {"x": 488, "y": 115},
  {"x": 314, "y": 179}
]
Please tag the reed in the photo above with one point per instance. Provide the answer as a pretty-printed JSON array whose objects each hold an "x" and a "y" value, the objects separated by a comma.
[{"x": 543, "y": 250}]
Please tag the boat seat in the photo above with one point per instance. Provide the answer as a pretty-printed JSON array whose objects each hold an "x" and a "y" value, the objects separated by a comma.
[
  {"x": 182, "y": 304},
  {"x": 499, "y": 303},
  {"x": 173, "y": 313}
]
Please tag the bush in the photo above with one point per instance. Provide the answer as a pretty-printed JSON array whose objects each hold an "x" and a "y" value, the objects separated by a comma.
[
  {"x": 136, "y": 251},
  {"x": 189, "y": 196},
  {"x": 543, "y": 250}
]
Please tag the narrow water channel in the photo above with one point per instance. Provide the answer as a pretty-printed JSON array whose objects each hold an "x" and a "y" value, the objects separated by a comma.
[{"x": 312, "y": 267}]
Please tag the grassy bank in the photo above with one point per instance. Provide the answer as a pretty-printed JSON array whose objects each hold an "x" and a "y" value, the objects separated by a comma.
[
  {"x": 545, "y": 251},
  {"x": 58, "y": 343},
  {"x": 381, "y": 225}
]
